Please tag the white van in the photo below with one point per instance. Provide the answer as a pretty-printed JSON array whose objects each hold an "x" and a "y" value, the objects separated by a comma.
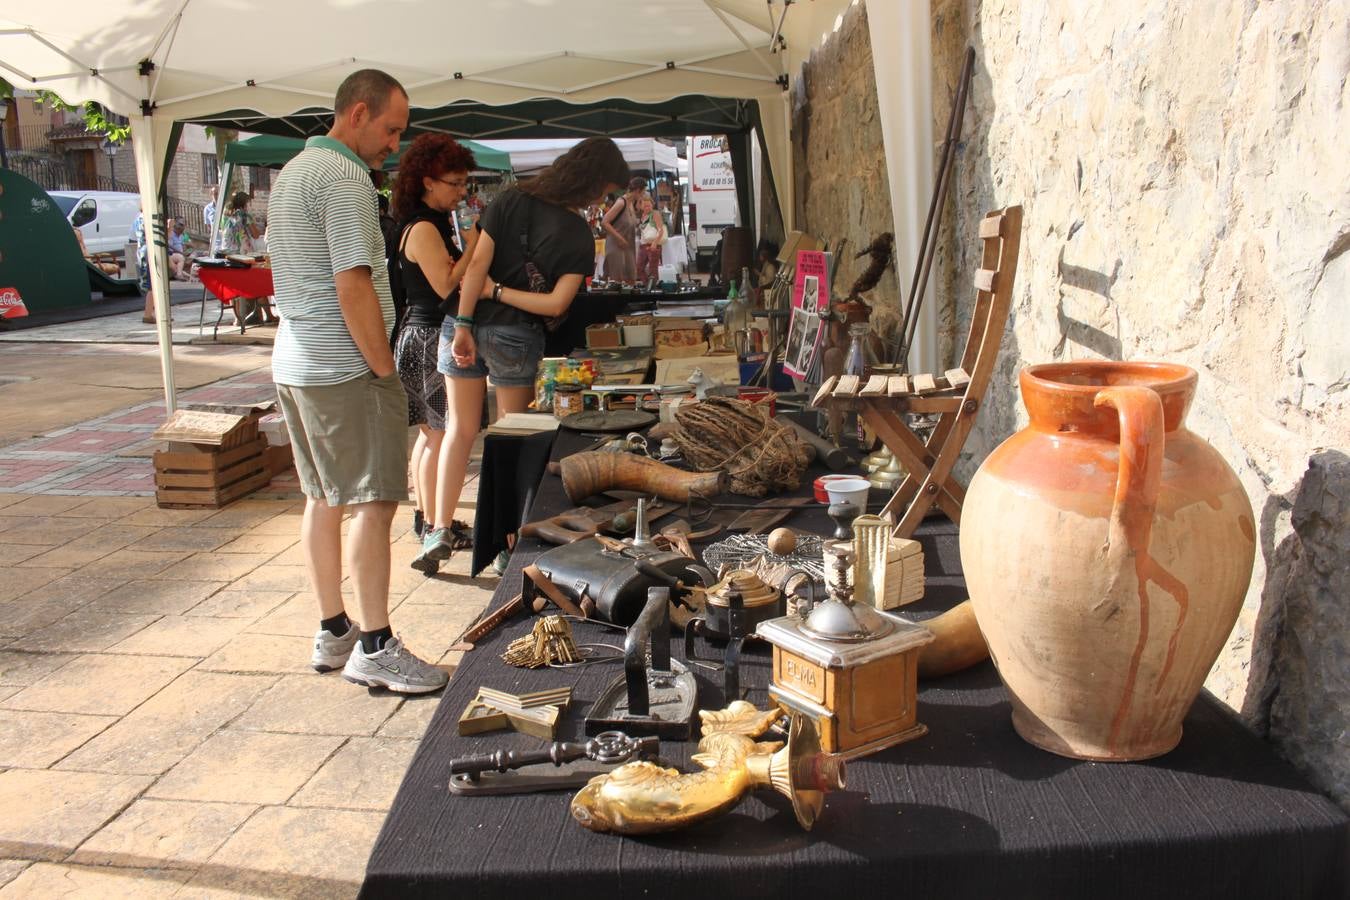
[{"x": 104, "y": 217}]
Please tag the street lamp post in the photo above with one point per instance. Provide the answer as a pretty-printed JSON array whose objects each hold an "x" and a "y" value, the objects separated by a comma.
[{"x": 111, "y": 149}]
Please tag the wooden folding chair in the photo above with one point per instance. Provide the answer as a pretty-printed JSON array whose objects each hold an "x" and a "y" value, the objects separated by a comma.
[{"x": 882, "y": 400}]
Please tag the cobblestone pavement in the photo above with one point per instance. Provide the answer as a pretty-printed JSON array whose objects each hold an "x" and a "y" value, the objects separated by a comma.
[{"x": 161, "y": 732}]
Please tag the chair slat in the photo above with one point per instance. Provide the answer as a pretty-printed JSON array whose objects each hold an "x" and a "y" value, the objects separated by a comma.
[
  {"x": 824, "y": 390},
  {"x": 958, "y": 378},
  {"x": 897, "y": 385},
  {"x": 847, "y": 386},
  {"x": 924, "y": 384},
  {"x": 991, "y": 226},
  {"x": 875, "y": 387},
  {"x": 984, "y": 280}
]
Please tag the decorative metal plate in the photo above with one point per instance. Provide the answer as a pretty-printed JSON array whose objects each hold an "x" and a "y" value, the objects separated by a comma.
[{"x": 613, "y": 420}]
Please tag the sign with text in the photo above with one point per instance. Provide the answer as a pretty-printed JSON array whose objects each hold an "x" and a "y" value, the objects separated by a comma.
[{"x": 710, "y": 164}]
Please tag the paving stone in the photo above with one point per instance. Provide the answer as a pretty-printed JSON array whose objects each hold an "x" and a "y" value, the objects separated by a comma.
[
  {"x": 35, "y": 740},
  {"x": 212, "y": 567},
  {"x": 319, "y": 704},
  {"x": 274, "y": 577},
  {"x": 429, "y": 631},
  {"x": 196, "y": 539},
  {"x": 132, "y": 564},
  {"x": 43, "y": 880},
  {"x": 298, "y": 616},
  {"x": 100, "y": 685},
  {"x": 448, "y": 589},
  {"x": 13, "y": 554},
  {"x": 261, "y": 653},
  {"x": 46, "y": 529},
  {"x": 181, "y": 636},
  {"x": 250, "y": 605},
  {"x": 22, "y": 669},
  {"x": 10, "y": 869},
  {"x": 323, "y": 851},
  {"x": 49, "y": 813},
  {"x": 412, "y": 718},
  {"x": 160, "y": 732},
  {"x": 264, "y": 545},
  {"x": 22, "y": 617},
  {"x": 83, "y": 631},
  {"x": 19, "y": 581},
  {"x": 156, "y": 597},
  {"x": 92, "y": 545},
  {"x": 286, "y": 523},
  {"x": 167, "y": 517},
  {"x": 44, "y": 505},
  {"x": 11, "y": 499},
  {"x": 364, "y": 774},
  {"x": 78, "y": 588},
  {"x": 248, "y": 513},
  {"x": 108, "y": 507},
  {"x": 164, "y": 833},
  {"x": 247, "y": 767},
  {"x": 293, "y": 555}
]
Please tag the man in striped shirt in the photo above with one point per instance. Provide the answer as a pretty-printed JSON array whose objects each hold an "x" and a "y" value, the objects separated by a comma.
[{"x": 336, "y": 381}]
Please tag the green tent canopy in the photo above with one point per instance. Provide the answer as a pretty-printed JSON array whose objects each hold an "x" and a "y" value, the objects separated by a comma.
[{"x": 274, "y": 151}]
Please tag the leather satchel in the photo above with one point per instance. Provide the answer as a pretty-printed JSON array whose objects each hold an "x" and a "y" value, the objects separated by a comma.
[{"x": 611, "y": 578}]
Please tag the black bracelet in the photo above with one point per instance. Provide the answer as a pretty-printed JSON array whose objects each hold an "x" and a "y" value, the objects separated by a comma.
[{"x": 497, "y": 292}]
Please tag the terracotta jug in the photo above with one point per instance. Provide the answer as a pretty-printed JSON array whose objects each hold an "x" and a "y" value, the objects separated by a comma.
[{"x": 1107, "y": 550}]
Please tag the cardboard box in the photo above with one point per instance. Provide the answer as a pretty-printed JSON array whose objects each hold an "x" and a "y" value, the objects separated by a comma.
[
  {"x": 680, "y": 338},
  {"x": 604, "y": 336}
]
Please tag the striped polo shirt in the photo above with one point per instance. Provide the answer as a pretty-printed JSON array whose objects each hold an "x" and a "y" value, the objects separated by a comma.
[{"x": 322, "y": 218}]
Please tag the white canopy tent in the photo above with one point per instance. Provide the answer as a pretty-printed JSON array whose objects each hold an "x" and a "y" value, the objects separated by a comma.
[
  {"x": 641, "y": 153},
  {"x": 161, "y": 61}
]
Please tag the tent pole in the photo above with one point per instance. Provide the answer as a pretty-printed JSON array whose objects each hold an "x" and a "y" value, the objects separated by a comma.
[{"x": 148, "y": 170}]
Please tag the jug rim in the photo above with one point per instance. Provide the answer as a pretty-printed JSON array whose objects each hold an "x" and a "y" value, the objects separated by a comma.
[{"x": 1062, "y": 393}]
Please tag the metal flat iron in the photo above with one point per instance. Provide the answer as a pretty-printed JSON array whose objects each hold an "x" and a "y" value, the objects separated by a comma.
[{"x": 660, "y": 700}]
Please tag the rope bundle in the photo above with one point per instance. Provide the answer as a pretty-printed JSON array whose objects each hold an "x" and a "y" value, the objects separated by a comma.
[{"x": 760, "y": 454}]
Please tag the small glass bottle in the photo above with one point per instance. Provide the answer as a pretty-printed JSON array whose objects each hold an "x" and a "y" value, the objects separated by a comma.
[{"x": 859, "y": 361}]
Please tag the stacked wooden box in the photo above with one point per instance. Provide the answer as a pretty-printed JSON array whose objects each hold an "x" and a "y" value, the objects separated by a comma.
[{"x": 212, "y": 459}]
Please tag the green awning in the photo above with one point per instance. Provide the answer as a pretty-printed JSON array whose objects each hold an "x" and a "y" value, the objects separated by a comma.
[{"x": 274, "y": 151}]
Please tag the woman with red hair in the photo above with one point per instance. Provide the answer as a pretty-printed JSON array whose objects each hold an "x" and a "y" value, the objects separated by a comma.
[{"x": 433, "y": 177}]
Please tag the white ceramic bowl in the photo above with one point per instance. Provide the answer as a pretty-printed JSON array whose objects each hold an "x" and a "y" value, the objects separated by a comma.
[{"x": 849, "y": 490}]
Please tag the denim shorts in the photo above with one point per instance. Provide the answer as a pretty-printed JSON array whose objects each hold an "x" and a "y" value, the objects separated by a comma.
[{"x": 507, "y": 354}]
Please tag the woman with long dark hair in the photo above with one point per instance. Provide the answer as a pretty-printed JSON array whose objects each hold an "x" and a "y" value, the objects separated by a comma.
[
  {"x": 620, "y": 227},
  {"x": 433, "y": 176},
  {"x": 534, "y": 251}
]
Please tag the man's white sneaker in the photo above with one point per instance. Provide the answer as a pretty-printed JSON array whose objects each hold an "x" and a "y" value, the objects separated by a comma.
[
  {"x": 331, "y": 650},
  {"x": 393, "y": 667}
]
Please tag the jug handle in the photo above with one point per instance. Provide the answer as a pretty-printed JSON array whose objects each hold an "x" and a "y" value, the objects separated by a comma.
[{"x": 1142, "y": 438}]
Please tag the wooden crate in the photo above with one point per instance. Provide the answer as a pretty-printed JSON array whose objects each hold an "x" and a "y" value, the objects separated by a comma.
[{"x": 209, "y": 479}]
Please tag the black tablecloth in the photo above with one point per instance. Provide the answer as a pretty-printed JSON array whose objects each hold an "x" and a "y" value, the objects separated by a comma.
[
  {"x": 969, "y": 810},
  {"x": 510, "y": 471}
]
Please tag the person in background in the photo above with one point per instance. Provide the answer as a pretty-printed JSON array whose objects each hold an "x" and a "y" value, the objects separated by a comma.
[
  {"x": 209, "y": 210},
  {"x": 238, "y": 231},
  {"x": 534, "y": 251},
  {"x": 620, "y": 225},
  {"x": 177, "y": 248},
  {"x": 101, "y": 262},
  {"x": 433, "y": 177},
  {"x": 345, "y": 408},
  {"x": 651, "y": 233},
  {"x": 143, "y": 267},
  {"x": 766, "y": 264}
]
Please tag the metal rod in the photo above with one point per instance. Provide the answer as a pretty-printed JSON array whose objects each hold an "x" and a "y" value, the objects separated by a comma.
[{"x": 929, "y": 243}]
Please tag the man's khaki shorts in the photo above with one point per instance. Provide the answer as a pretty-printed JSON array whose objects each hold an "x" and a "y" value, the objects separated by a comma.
[{"x": 350, "y": 439}]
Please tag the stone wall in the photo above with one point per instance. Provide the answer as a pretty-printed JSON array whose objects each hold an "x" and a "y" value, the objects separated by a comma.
[
  {"x": 838, "y": 158},
  {"x": 1187, "y": 198}
]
